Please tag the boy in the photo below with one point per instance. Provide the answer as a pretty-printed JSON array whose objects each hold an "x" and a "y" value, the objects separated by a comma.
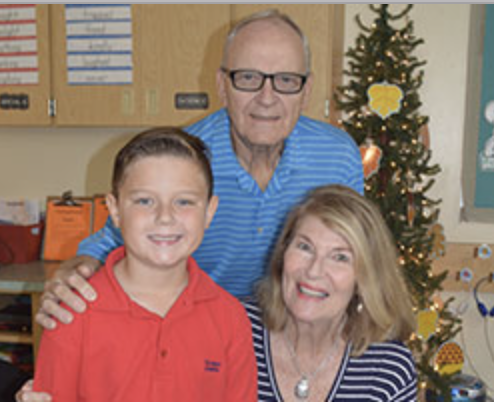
[{"x": 162, "y": 329}]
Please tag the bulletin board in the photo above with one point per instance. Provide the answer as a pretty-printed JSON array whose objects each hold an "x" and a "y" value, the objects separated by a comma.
[{"x": 478, "y": 161}]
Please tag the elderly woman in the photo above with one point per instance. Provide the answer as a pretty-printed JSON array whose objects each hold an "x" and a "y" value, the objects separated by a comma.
[{"x": 331, "y": 317}]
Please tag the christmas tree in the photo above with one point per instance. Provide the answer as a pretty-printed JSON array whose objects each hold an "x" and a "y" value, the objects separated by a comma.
[{"x": 380, "y": 109}]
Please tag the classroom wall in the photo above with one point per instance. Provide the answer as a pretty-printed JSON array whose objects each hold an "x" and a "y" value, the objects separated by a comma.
[{"x": 36, "y": 162}]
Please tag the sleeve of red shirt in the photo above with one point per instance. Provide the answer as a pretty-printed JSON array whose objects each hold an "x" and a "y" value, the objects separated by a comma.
[
  {"x": 58, "y": 362},
  {"x": 242, "y": 367}
]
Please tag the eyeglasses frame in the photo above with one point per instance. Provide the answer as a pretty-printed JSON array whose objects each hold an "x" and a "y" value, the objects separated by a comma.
[{"x": 231, "y": 74}]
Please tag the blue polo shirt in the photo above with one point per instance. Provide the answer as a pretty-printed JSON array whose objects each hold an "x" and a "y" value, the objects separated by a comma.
[{"x": 236, "y": 247}]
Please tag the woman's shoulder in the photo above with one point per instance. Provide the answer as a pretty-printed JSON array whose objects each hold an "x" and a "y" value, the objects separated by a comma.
[
  {"x": 254, "y": 314},
  {"x": 390, "y": 351},
  {"x": 252, "y": 308},
  {"x": 387, "y": 369},
  {"x": 387, "y": 358}
]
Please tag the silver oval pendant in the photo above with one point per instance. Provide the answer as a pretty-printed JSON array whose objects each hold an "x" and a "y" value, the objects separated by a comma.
[{"x": 302, "y": 388}]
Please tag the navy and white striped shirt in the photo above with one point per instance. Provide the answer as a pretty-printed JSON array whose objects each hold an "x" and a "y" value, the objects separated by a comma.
[
  {"x": 236, "y": 247},
  {"x": 384, "y": 373}
]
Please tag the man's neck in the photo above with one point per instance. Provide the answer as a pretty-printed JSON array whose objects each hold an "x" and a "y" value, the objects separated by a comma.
[{"x": 260, "y": 161}]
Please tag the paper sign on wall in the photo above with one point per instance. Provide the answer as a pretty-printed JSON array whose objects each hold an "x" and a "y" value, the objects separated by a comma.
[
  {"x": 99, "y": 44},
  {"x": 67, "y": 223},
  {"x": 18, "y": 45}
]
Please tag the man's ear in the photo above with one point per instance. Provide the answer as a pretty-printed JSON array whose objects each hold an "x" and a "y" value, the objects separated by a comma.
[
  {"x": 307, "y": 91},
  {"x": 221, "y": 80},
  {"x": 212, "y": 207},
  {"x": 111, "y": 204}
]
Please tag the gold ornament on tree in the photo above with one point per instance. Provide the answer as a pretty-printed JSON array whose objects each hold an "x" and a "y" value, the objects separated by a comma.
[
  {"x": 439, "y": 241},
  {"x": 426, "y": 323},
  {"x": 385, "y": 99}
]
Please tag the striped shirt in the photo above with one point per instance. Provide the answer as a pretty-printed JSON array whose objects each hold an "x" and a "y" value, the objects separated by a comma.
[
  {"x": 384, "y": 373},
  {"x": 236, "y": 247}
]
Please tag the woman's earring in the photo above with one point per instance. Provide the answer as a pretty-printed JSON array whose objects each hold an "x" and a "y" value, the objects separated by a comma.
[{"x": 360, "y": 307}]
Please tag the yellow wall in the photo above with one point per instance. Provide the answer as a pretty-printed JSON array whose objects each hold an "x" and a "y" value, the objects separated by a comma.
[{"x": 37, "y": 162}]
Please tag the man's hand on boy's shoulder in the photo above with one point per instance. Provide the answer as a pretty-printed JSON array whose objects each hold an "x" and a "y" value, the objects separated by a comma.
[{"x": 70, "y": 286}]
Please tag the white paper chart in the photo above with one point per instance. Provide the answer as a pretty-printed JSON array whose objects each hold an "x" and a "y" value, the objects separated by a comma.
[
  {"x": 99, "y": 44},
  {"x": 18, "y": 45}
]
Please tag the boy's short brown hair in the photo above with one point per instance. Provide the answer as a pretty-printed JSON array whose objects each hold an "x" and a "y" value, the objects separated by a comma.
[{"x": 171, "y": 141}]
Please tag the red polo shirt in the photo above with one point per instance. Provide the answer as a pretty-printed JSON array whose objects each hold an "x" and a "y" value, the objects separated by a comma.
[{"x": 118, "y": 351}]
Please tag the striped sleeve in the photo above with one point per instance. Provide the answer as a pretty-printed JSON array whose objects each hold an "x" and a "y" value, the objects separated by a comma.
[
  {"x": 100, "y": 244},
  {"x": 385, "y": 373}
]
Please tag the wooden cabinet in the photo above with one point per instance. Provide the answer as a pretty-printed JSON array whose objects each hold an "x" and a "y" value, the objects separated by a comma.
[
  {"x": 86, "y": 105},
  {"x": 181, "y": 47},
  {"x": 38, "y": 94},
  {"x": 176, "y": 50}
]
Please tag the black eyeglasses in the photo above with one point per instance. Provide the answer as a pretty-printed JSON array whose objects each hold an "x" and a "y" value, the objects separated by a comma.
[{"x": 253, "y": 81}]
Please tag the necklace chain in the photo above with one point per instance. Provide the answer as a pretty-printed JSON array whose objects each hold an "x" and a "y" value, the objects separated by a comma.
[
  {"x": 302, "y": 387},
  {"x": 295, "y": 358}
]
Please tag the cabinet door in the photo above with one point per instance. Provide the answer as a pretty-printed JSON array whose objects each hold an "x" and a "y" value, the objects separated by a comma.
[
  {"x": 323, "y": 25},
  {"x": 35, "y": 47},
  {"x": 181, "y": 48},
  {"x": 91, "y": 105},
  {"x": 176, "y": 50}
]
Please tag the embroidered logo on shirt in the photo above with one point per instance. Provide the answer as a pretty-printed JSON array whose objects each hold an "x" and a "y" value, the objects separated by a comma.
[{"x": 211, "y": 366}]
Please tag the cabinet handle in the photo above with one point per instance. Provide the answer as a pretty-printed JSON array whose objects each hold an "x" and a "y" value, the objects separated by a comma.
[
  {"x": 52, "y": 107},
  {"x": 152, "y": 102},
  {"x": 128, "y": 102}
]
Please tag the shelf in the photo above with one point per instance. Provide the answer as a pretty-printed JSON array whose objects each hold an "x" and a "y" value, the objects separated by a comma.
[
  {"x": 26, "y": 279},
  {"x": 16, "y": 337}
]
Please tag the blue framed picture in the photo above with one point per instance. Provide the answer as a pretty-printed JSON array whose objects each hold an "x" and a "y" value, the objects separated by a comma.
[{"x": 484, "y": 176}]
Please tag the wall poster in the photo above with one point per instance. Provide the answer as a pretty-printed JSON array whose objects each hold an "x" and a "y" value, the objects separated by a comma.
[
  {"x": 484, "y": 187},
  {"x": 477, "y": 202}
]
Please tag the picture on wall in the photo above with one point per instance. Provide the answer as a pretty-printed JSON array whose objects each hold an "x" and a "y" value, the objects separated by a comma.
[{"x": 484, "y": 183}]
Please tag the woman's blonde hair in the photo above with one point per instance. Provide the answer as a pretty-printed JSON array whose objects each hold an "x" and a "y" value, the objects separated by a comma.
[{"x": 380, "y": 286}]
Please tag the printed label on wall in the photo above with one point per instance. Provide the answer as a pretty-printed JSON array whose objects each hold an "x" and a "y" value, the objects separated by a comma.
[
  {"x": 18, "y": 45},
  {"x": 99, "y": 44}
]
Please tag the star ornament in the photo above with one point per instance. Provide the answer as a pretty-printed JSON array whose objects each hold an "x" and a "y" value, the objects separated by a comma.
[{"x": 385, "y": 99}]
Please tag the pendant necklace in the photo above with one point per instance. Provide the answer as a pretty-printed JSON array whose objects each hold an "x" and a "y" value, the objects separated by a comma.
[{"x": 302, "y": 388}]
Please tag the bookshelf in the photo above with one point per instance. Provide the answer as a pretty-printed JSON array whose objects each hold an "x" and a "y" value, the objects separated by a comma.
[{"x": 25, "y": 279}]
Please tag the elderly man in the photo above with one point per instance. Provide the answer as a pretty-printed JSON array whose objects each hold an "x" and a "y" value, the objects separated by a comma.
[{"x": 265, "y": 158}]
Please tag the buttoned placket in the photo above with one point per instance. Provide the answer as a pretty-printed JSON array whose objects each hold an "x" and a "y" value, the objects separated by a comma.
[{"x": 164, "y": 379}]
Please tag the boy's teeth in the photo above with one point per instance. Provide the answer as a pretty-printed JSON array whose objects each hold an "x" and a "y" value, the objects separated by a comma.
[{"x": 165, "y": 238}]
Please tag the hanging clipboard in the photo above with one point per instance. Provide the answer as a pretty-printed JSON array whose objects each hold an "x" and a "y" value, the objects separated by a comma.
[
  {"x": 100, "y": 212},
  {"x": 68, "y": 221}
]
